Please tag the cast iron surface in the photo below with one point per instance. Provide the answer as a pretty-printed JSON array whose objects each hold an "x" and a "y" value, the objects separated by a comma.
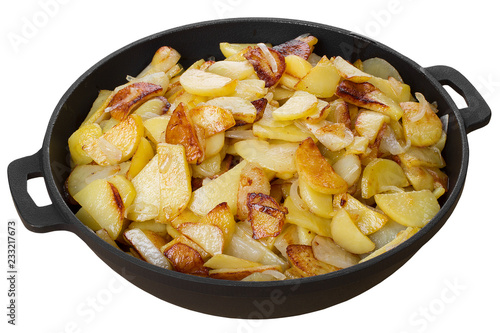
[{"x": 234, "y": 298}]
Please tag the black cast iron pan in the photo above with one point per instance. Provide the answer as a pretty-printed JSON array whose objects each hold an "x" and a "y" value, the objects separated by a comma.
[{"x": 235, "y": 298}]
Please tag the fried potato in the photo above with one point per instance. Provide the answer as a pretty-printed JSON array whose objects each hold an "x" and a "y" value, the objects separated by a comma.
[{"x": 302, "y": 259}]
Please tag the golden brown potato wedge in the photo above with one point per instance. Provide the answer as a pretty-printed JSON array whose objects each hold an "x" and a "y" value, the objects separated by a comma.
[
  {"x": 268, "y": 63},
  {"x": 252, "y": 180},
  {"x": 185, "y": 259},
  {"x": 130, "y": 97},
  {"x": 212, "y": 119},
  {"x": 221, "y": 216},
  {"x": 181, "y": 130},
  {"x": 313, "y": 168},
  {"x": 265, "y": 215},
  {"x": 302, "y": 259}
]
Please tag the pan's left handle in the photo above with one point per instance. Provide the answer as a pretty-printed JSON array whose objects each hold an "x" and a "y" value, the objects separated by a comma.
[{"x": 35, "y": 218}]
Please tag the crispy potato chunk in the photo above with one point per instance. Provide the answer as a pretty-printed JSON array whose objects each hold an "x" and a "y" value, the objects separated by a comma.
[
  {"x": 185, "y": 259},
  {"x": 263, "y": 59},
  {"x": 302, "y": 259},
  {"x": 128, "y": 98},
  {"x": 266, "y": 215},
  {"x": 252, "y": 180}
]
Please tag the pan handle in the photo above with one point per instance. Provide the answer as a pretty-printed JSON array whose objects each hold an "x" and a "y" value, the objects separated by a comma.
[
  {"x": 35, "y": 218},
  {"x": 477, "y": 113}
]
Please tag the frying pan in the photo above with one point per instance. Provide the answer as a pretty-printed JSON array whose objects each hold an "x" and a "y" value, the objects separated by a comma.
[{"x": 255, "y": 300}]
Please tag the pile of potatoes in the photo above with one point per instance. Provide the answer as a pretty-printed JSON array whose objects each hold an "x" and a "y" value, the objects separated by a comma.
[{"x": 274, "y": 163}]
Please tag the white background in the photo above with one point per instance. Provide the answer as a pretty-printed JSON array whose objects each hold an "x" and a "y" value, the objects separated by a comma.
[{"x": 453, "y": 278}]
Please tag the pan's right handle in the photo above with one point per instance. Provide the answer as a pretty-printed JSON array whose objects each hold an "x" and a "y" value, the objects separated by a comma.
[
  {"x": 477, "y": 114},
  {"x": 35, "y": 218}
]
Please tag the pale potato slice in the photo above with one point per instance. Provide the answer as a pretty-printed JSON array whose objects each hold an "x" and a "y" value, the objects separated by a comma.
[
  {"x": 277, "y": 157},
  {"x": 349, "y": 72},
  {"x": 306, "y": 219},
  {"x": 297, "y": 66},
  {"x": 146, "y": 248},
  {"x": 210, "y": 167},
  {"x": 242, "y": 109},
  {"x": 313, "y": 168},
  {"x": 300, "y": 105},
  {"x": 185, "y": 216},
  {"x": 208, "y": 236},
  {"x": 290, "y": 133},
  {"x": 369, "y": 123},
  {"x": 107, "y": 210},
  {"x": 97, "y": 109},
  {"x": 146, "y": 205},
  {"x": 155, "y": 128},
  {"x": 382, "y": 175},
  {"x": 322, "y": 111},
  {"x": 421, "y": 125},
  {"x": 186, "y": 260},
  {"x": 212, "y": 118},
  {"x": 214, "y": 144},
  {"x": 319, "y": 203},
  {"x": 334, "y": 136},
  {"x": 141, "y": 157},
  {"x": 219, "y": 261},
  {"x": 163, "y": 60},
  {"x": 429, "y": 157},
  {"x": 252, "y": 180},
  {"x": 158, "y": 228},
  {"x": 411, "y": 209},
  {"x": 118, "y": 144},
  {"x": 346, "y": 234},
  {"x": 182, "y": 130},
  {"x": 349, "y": 168},
  {"x": 82, "y": 175},
  {"x": 302, "y": 259},
  {"x": 221, "y": 217},
  {"x": 322, "y": 79},
  {"x": 381, "y": 68},
  {"x": 202, "y": 83},
  {"x": 392, "y": 88},
  {"x": 103, "y": 234},
  {"x": 222, "y": 189},
  {"x": 80, "y": 138},
  {"x": 400, "y": 238},
  {"x": 175, "y": 181},
  {"x": 238, "y": 70},
  {"x": 152, "y": 107},
  {"x": 368, "y": 220},
  {"x": 325, "y": 250},
  {"x": 250, "y": 89}
]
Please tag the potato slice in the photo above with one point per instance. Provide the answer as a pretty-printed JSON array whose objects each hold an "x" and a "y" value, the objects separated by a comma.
[
  {"x": 238, "y": 70},
  {"x": 147, "y": 247},
  {"x": 382, "y": 175},
  {"x": 118, "y": 144},
  {"x": 368, "y": 220},
  {"x": 157, "y": 228},
  {"x": 334, "y": 136},
  {"x": 87, "y": 219},
  {"x": 290, "y": 133},
  {"x": 277, "y": 157},
  {"x": 222, "y": 189},
  {"x": 400, "y": 238},
  {"x": 125, "y": 189},
  {"x": 208, "y": 236},
  {"x": 175, "y": 181},
  {"x": 125, "y": 100},
  {"x": 366, "y": 95},
  {"x": 97, "y": 109},
  {"x": 269, "y": 64},
  {"x": 325, "y": 250},
  {"x": 103, "y": 234},
  {"x": 80, "y": 138},
  {"x": 301, "y": 46},
  {"x": 163, "y": 60},
  {"x": 300, "y": 105},
  {"x": 313, "y": 168},
  {"x": 146, "y": 205},
  {"x": 82, "y": 175},
  {"x": 319, "y": 203},
  {"x": 429, "y": 157},
  {"x": 297, "y": 66},
  {"x": 411, "y": 209},
  {"x": 349, "y": 72},
  {"x": 265, "y": 215},
  {"x": 185, "y": 259},
  {"x": 346, "y": 234},
  {"x": 322, "y": 79},
  {"x": 181, "y": 130},
  {"x": 212, "y": 119},
  {"x": 237, "y": 274},
  {"x": 349, "y": 168},
  {"x": 142, "y": 156},
  {"x": 198, "y": 82},
  {"x": 302, "y": 258},
  {"x": 242, "y": 109},
  {"x": 421, "y": 125},
  {"x": 252, "y": 180},
  {"x": 369, "y": 123},
  {"x": 250, "y": 89},
  {"x": 306, "y": 219},
  {"x": 155, "y": 128},
  {"x": 219, "y": 261},
  {"x": 154, "y": 106},
  {"x": 221, "y": 217},
  {"x": 102, "y": 201},
  {"x": 322, "y": 111}
]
